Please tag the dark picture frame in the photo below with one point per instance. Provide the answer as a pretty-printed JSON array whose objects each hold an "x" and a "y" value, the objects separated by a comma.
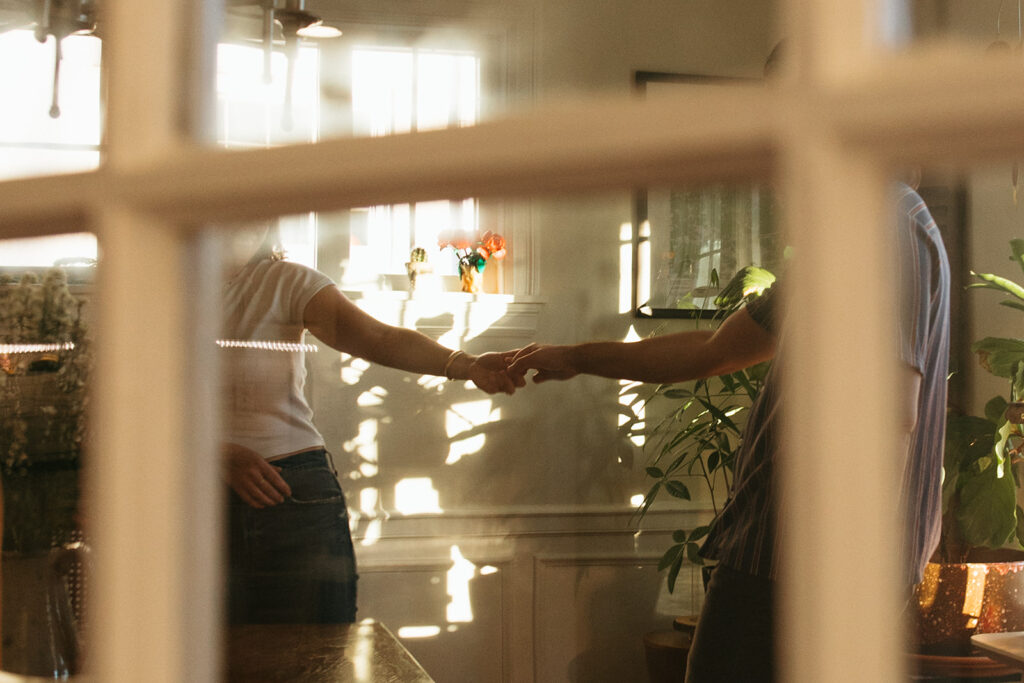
[{"x": 684, "y": 236}]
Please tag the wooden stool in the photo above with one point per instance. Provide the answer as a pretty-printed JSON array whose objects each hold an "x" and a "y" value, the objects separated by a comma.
[{"x": 666, "y": 655}]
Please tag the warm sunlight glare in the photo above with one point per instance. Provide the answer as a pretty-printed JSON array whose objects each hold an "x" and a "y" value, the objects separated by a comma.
[
  {"x": 417, "y": 495},
  {"x": 372, "y": 397},
  {"x": 365, "y": 447},
  {"x": 628, "y": 399},
  {"x": 460, "y": 609},
  {"x": 465, "y": 417},
  {"x": 369, "y": 498},
  {"x": 625, "y": 267},
  {"x": 636, "y": 500},
  {"x": 974, "y": 592},
  {"x": 352, "y": 369},
  {"x": 418, "y": 632}
]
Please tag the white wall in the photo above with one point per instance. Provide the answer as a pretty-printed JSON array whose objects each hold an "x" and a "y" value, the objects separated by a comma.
[{"x": 545, "y": 498}]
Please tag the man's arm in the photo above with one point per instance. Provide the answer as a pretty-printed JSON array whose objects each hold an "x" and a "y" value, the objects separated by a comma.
[
  {"x": 343, "y": 326},
  {"x": 738, "y": 343}
]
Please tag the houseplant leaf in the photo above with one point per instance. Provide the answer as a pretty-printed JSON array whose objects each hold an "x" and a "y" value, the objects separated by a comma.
[
  {"x": 1000, "y": 355},
  {"x": 677, "y": 489},
  {"x": 987, "y": 507},
  {"x": 992, "y": 281}
]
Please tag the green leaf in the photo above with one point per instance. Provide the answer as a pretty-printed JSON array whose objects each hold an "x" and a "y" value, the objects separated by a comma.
[
  {"x": 968, "y": 439},
  {"x": 993, "y": 281},
  {"x": 1000, "y": 355},
  {"x": 699, "y": 533},
  {"x": 713, "y": 460},
  {"x": 693, "y": 554},
  {"x": 1020, "y": 527},
  {"x": 655, "y": 473},
  {"x": 677, "y": 394},
  {"x": 679, "y": 536},
  {"x": 747, "y": 282},
  {"x": 1013, "y": 304},
  {"x": 1017, "y": 247},
  {"x": 673, "y": 572},
  {"x": 988, "y": 507},
  {"x": 995, "y": 409},
  {"x": 677, "y": 489},
  {"x": 670, "y": 556}
]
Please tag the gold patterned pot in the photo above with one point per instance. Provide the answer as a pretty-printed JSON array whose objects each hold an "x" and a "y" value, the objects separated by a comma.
[{"x": 955, "y": 601}]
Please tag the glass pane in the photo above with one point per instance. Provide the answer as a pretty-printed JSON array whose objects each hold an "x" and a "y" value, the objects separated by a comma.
[
  {"x": 47, "y": 316},
  {"x": 50, "y": 122}
]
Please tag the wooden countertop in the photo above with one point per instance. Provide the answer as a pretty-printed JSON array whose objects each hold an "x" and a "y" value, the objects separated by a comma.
[{"x": 320, "y": 653}]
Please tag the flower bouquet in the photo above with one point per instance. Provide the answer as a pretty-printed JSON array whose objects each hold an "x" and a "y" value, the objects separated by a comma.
[{"x": 473, "y": 255}]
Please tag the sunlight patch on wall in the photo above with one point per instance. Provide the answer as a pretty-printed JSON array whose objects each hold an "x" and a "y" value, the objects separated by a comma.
[
  {"x": 417, "y": 495},
  {"x": 364, "y": 445},
  {"x": 626, "y": 267},
  {"x": 352, "y": 369},
  {"x": 372, "y": 397},
  {"x": 460, "y": 608},
  {"x": 418, "y": 632},
  {"x": 464, "y": 417},
  {"x": 369, "y": 503},
  {"x": 629, "y": 398}
]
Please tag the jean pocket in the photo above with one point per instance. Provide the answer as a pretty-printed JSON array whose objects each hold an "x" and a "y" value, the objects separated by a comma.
[{"x": 313, "y": 486}]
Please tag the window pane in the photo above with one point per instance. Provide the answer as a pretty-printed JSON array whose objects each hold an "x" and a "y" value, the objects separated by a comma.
[{"x": 46, "y": 359}]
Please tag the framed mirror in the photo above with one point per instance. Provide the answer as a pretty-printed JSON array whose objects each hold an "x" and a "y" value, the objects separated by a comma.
[{"x": 688, "y": 242}]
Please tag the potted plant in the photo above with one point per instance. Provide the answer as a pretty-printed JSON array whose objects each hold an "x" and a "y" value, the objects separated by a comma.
[
  {"x": 970, "y": 584},
  {"x": 698, "y": 439}
]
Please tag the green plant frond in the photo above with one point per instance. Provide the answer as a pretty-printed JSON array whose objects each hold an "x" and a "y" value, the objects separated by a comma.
[
  {"x": 995, "y": 409},
  {"x": 993, "y": 281},
  {"x": 1017, "y": 249},
  {"x": 677, "y": 489},
  {"x": 673, "y": 572},
  {"x": 1020, "y": 527},
  {"x": 648, "y": 502},
  {"x": 655, "y": 473},
  {"x": 670, "y": 556},
  {"x": 719, "y": 415},
  {"x": 677, "y": 394},
  {"x": 699, "y": 533},
  {"x": 677, "y": 463},
  {"x": 693, "y": 554},
  {"x": 1013, "y": 304},
  {"x": 1000, "y": 355},
  {"x": 714, "y": 459},
  {"x": 1002, "y": 436},
  {"x": 679, "y": 536},
  {"x": 987, "y": 508}
]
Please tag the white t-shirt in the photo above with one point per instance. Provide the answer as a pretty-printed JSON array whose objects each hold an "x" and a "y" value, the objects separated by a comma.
[{"x": 266, "y": 407}]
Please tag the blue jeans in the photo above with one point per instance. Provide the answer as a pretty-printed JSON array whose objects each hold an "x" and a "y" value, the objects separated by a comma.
[{"x": 294, "y": 562}]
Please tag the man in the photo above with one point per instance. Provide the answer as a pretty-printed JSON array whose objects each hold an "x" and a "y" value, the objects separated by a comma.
[{"x": 734, "y": 636}]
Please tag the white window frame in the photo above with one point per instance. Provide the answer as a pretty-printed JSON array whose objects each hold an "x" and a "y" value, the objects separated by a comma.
[{"x": 832, "y": 128}]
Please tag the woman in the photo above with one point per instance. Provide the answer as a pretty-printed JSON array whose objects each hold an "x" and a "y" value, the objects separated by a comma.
[{"x": 291, "y": 555}]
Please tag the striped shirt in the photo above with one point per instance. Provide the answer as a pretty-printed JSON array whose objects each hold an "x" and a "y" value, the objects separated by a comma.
[{"x": 744, "y": 537}]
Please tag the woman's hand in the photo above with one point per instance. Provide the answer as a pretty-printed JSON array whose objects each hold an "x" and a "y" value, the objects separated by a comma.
[
  {"x": 255, "y": 480},
  {"x": 489, "y": 372}
]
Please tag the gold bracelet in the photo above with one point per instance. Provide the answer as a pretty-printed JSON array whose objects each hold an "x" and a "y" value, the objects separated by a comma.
[{"x": 451, "y": 359}]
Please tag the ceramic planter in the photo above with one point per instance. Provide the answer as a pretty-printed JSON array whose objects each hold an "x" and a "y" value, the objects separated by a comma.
[{"x": 956, "y": 601}]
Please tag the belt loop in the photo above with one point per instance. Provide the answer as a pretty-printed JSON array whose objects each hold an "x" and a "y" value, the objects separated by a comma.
[{"x": 330, "y": 462}]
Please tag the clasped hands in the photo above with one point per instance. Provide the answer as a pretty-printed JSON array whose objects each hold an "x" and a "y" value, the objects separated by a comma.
[{"x": 505, "y": 371}]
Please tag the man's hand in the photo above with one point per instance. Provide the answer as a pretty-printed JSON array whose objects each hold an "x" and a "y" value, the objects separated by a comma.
[
  {"x": 255, "y": 480},
  {"x": 550, "y": 362},
  {"x": 489, "y": 372}
]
